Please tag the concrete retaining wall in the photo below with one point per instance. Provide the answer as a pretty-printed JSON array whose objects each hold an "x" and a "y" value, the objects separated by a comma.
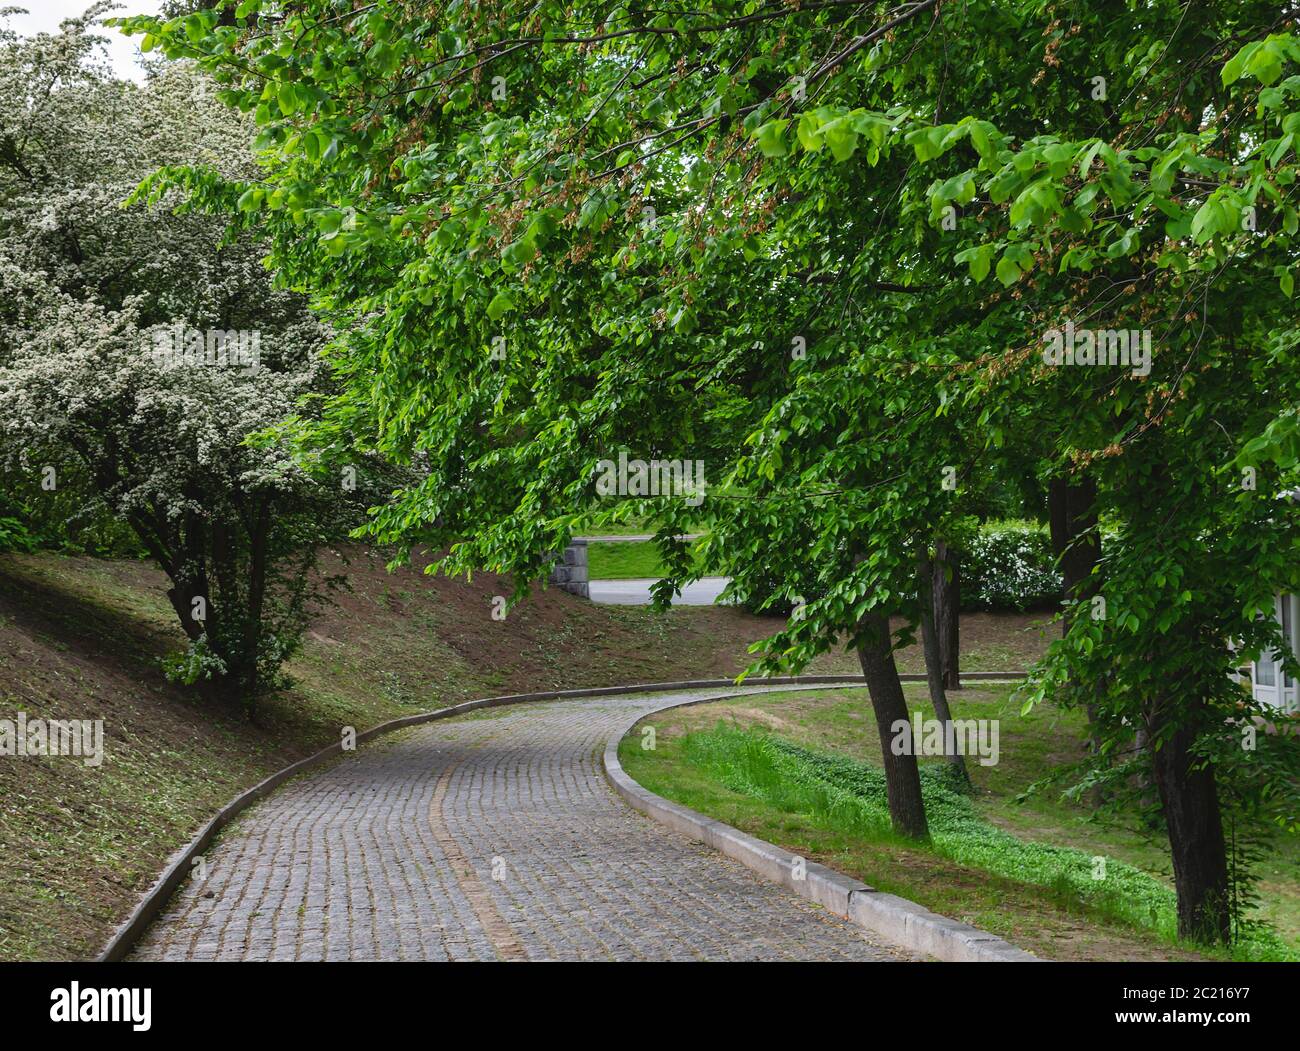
[{"x": 570, "y": 572}]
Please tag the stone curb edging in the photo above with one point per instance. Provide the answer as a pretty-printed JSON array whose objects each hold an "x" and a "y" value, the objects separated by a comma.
[
  {"x": 902, "y": 921},
  {"x": 180, "y": 863}
]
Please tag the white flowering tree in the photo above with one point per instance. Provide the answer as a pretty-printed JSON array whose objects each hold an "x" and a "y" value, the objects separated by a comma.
[{"x": 103, "y": 399}]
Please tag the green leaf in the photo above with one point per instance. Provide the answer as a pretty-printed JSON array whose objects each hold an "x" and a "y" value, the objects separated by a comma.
[
  {"x": 929, "y": 143},
  {"x": 1236, "y": 65},
  {"x": 979, "y": 259},
  {"x": 982, "y": 140},
  {"x": 841, "y": 138},
  {"x": 1205, "y": 223},
  {"x": 520, "y": 253},
  {"x": 591, "y": 208},
  {"x": 501, "y": 305},
  {"x": 771, "y": 138},
  {"x": 808, "y": 131},
  {"x": 1008, "y": 272},
  {"x": 1265, "y": 64},
  {"x": 329, "y": 221}
]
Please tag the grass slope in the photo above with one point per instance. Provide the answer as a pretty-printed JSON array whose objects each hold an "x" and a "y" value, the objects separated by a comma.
[{"x": 788, "y": 767}]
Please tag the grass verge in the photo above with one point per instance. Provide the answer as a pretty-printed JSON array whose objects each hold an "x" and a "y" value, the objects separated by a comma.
[
  {"x": 785, "y": 767},
  {"x": 623, "y": 560}
]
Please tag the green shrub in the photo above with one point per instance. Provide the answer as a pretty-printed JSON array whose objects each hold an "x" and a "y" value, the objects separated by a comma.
[{"x": 14, "y": 536}]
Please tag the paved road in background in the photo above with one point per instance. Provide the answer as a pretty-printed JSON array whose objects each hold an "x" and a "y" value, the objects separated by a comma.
[
  {"x": 635, "y": 591},
  {"x": 489, "y": 837}
]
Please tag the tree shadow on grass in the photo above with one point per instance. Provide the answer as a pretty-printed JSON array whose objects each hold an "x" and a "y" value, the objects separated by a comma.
[{"x": 59, "y": 611}]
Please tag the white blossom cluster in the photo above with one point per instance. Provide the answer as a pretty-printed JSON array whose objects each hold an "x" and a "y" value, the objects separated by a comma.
[
  {"x": 90, "y": 287},
  {"x": 1010, "y": 567}
]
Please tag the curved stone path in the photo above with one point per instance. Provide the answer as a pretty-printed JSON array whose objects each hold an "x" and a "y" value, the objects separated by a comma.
[{"x": 492, "y": 836}]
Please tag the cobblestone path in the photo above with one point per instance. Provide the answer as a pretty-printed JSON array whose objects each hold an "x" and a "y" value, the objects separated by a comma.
[{"x": 492, "y": 836}]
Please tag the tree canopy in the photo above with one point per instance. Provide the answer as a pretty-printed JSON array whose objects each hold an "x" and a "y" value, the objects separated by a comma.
[{"x": 839, "y": 252}]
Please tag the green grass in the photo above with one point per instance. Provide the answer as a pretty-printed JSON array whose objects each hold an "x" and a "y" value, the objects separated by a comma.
[
  {"x": 789, "y": 768},
  {"x": 623, "y": 560},
  {"x": 849, "y": 796}
]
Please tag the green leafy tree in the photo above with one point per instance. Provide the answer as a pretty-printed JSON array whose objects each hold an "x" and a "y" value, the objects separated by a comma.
[{"x": 825, "y": 249}]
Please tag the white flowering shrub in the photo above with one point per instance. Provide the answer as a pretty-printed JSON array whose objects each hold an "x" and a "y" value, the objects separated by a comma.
[
  {"x": 1009, "y": 566},
  {"x": 91, "y": 414}
]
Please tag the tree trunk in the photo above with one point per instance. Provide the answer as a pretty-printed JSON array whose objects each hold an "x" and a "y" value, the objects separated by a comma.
[
  {"x": 1189, "y": 797},
  {"x": 182, "y": 596},
  {"x": 257, "y": 540},
  {"x": 947, "y": 606},
  {"x": 934, "y": 668},
  {"x": 1076, "y": 541},
  {"x": 1072, "y": 509},
  {"x": 902, "y": 777},
  {"x": 190, "y": 577},
  {"x": 1149, "y": 803}
]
